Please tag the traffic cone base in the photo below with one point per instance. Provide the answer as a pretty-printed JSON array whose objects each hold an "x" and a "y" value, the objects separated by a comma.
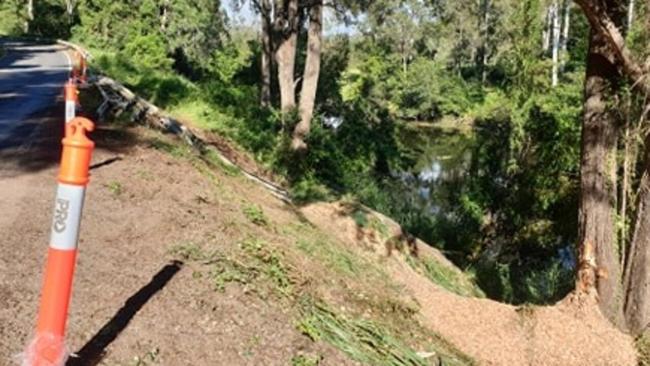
[{"x": 46, "y": 349}]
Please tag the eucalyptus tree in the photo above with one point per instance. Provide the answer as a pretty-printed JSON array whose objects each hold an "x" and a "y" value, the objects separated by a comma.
[{"x": 623, "y": 294}]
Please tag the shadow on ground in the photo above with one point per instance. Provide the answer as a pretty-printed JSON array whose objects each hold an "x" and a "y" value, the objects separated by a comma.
[
  {"x": 38, "y": 145},
  {"x": 94, "y": 350}
]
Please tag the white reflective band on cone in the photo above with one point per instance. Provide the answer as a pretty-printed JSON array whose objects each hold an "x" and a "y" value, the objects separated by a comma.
[
  {"x": 70, "y": 109},
  {"x": 67, "y": 216}
]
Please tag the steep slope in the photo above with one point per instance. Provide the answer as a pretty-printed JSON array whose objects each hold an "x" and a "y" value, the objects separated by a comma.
[
  {"x": 186, "y": 262},
  {"x": 569, "y": 333}
]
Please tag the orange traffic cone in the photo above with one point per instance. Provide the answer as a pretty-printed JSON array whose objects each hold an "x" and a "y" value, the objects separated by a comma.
[{"x": 48, "y": 348}]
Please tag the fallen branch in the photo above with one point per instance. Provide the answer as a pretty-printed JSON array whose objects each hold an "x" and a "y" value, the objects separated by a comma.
[{"x": 117, "y": 96}]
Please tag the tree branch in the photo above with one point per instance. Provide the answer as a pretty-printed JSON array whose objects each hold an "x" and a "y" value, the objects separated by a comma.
[{"x": 603, "y": 24}]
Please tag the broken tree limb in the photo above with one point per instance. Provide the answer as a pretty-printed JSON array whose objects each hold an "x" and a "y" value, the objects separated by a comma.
[{"x": 602, "y": 23}]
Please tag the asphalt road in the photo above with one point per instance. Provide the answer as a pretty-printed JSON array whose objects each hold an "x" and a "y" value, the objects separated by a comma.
[{"x": 31, "y": 79}]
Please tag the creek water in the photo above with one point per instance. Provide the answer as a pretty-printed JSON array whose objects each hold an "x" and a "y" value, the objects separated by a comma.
[{"x": 441, "y": 156}]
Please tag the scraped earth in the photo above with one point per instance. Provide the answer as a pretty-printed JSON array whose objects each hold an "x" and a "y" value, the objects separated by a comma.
[{"x": 135, "y": 301}]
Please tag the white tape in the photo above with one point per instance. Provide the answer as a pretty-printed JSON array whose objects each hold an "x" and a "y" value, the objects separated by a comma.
[
  {"x": 70, "y": 110},
  {"x": 67, "y": 216}
]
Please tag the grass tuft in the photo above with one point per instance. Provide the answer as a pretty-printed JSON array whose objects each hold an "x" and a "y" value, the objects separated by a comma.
[
  {"x": 114, "y": 187},
  {"x": 642, "y": 344},
  {"x": 340, "y": 260},
  {"x": 176, "y": 150},
  {"x": 362, "y": 340},
  {"x": 270, "y": 261},
  {"x": 445, "y": 277},
  {"x": 255, "y": 214},
  {"x": 305, "y": 360}
]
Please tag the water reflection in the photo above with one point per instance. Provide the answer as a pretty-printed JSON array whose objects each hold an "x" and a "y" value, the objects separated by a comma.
[{"x": 442, "y": 157}]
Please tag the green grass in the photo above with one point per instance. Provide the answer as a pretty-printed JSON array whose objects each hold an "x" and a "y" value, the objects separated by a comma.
[
  {"x": 188, "y": 251},
  {"x": 177, "y": 150},
  {"x": 271, "y": 263},
  {"x": 203, "y": 115},
  {"x": 255, "y": 214},
  {"x": 227, "y": 270},
  {"x": 364, "y": 340},
  {"x": 305, "y": 360},
  {"x": 210, "y": 156},
  {"x": 445, "y": 277},
  {"x": 114, "y": 187},
  {"x": 338, "y": 259},
  {"x": 365, "y": 219},
  {"x": 642, "y": 344}
]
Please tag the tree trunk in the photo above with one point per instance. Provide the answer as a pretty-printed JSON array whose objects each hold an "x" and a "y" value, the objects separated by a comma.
[
  {"x": 484, "y": 28},
  {"x": 267, "y": 53},
  {"x": 30, "y": 15},
  {"x": 565, "y": 34},
  {"x": 546, "y": 34},
  {"x": 636, "y": 276},
  {"x": 599, "y": 268},
  {"x": 637, "y": 299},
  {"x": 556, "y": 43},
  {"x": 69, "y": 7},
  {"x": 632, "y": 148},
  {"x": 287, "y": 29},
  {"x": 310, "y": 78},
  {"x": 164, "y": 15},
  {"x": 622, "y": 214},
  {"x": 630, "y": 14}
]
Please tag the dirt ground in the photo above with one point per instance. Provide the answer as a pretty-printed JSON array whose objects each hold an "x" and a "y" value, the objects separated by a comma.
[{"x": 134, "y": 302}]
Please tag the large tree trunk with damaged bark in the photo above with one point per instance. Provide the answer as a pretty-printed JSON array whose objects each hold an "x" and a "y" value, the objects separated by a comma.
[
  {"x": 310, "y": 78},
  {"x": 599, "y": 268},
  {"x": 605, "y": 18}
]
